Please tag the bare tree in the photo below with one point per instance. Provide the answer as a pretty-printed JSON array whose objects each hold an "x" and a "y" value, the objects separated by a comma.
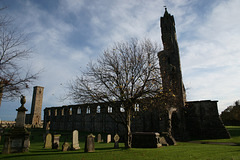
[
  {"x": 126, "y": 73},
  {"x": 13, "y": 77}
]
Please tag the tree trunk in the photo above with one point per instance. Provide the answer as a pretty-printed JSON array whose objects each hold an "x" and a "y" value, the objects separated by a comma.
[
  {"x": 1, "y": 91},
  {"x": 128, "y": 143}
]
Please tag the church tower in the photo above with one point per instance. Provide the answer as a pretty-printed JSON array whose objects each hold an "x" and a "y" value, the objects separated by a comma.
[
  {"x": 36, "y": 109},
  {"x": 169, "y": 60}
]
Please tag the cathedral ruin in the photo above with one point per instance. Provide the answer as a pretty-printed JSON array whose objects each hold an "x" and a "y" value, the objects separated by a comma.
[{"x": 188, "y": 120}]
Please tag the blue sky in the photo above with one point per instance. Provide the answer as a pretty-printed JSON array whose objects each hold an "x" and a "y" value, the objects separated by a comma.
[{"x": 66, "y": 34}]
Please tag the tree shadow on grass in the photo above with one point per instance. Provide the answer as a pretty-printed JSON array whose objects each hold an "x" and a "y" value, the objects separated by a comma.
[{"x": 57, "y": 152}]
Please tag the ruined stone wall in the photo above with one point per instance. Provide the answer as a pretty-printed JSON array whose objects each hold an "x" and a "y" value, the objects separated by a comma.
[
  {"x": 203, "y": 121},
  {"x": 77, "y": 117}
]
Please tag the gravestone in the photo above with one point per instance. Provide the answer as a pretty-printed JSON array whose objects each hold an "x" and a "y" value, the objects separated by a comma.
[
  {"x": 116, "y": 139},
  {"x": 99, "y": 138},
  {"x": 89, "y": 143},
  {"x": 55, "y": 143},
  {"x": 48, "y": 141},
  {"x": 75, "y": 143},
  {"x": 108, "y": 138},
  {"x": 66, "y": 146}
]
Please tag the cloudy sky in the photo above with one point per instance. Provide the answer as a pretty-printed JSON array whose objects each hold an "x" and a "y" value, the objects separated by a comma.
[{"x": 66, "y": 34}]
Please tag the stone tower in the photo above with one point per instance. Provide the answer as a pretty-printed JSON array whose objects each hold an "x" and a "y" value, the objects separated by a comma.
[
  {"x": 36, "y": 109},
  {"x": 169, "y": 60}
]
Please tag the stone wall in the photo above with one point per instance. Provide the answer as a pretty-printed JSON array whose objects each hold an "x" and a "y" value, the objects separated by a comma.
[
  {"x": 203, "y": 121},
  {"x": 201, "y": 117}
]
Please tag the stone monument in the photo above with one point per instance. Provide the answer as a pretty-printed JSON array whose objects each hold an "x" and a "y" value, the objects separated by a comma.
[
  {"x": 99, "y": 138},
  {"x": 55, "y": 142},
  {"x": 108, "y": 138},
  {"x": 75, "y": 142},
  {"x": 18, "y": 139},
  {"x": 116, "y": 139},
  {"x": 89, "y": 143},
  {"x": 48, "y": 141}
]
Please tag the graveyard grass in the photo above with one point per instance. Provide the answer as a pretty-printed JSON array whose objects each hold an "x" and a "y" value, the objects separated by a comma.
[{"x": 183, "y": 150}]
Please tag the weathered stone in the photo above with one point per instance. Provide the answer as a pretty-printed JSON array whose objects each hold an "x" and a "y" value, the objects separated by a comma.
[
  {"x": 75, "y": 142},
  {"x": 66, "y": 146},
  {"x": 99, "y": 138},
  {"x": 55, "y": 143},
  {"x": 108, "y": 138},
  {"x": 48, "y": 141},
  {"x": 36, "y": 109},
  {"x": 146, "y": 140},
  {"x": 89, "y": 143},
  {"x": 18, "y": 139},
  {"x": 116, "y": 139}
]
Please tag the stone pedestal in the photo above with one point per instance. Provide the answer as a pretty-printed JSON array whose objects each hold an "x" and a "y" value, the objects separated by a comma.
[
  {"x": 55, "y": 142},
  {"x": 18, "y": 140}
]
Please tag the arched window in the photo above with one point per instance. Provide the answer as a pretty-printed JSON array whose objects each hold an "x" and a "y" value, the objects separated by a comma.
[
  {"x": 55, "y": 112},
  {"x": 79, "y": 110},
  {"x": 109, "y": 109},
  {"x": 98, "y": 109},
  {"x": 122, "y": 108},
  {"x": 136, "y": 108},
  {"x": 63, "y": 112},
  {"x": 70, "y": 111},
  {"x": 88, "y": 110},
  {"x": 49, "y": 112}
]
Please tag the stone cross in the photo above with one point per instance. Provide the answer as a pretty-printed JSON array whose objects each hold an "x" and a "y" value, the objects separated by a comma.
[
  {"x": 48, "y": 141},
  {"x": 75, "y": 142},
  {"x": 116, "y": 139},
  {"x": 108, "y": 138},
  {"x": 89, "y": 143}
]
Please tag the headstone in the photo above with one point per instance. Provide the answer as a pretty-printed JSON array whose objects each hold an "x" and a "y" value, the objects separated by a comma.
[
  {"x": 99, "y": 138},
  {"x": 55, "y": 143},
  {"x": 116, "y": 139},
  {"x": 108, "y": 138},
  {"x": 75, "y": 142},
  {"x": 48, "y": 141},
  {"x": 89, "y": 143},
  {"x": 66, "y": 146}
]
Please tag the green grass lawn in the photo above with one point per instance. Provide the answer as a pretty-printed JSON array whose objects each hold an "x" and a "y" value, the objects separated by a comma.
[{"x": 105, "y": 151}]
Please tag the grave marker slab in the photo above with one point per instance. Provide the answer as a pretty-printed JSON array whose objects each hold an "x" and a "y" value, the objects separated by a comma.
[
  {"x": 89, "y": 143},
  {"x": 48, "y": 141},
  {"x": 75, "y": 142},
  {"x": 108, "y": 138}
]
